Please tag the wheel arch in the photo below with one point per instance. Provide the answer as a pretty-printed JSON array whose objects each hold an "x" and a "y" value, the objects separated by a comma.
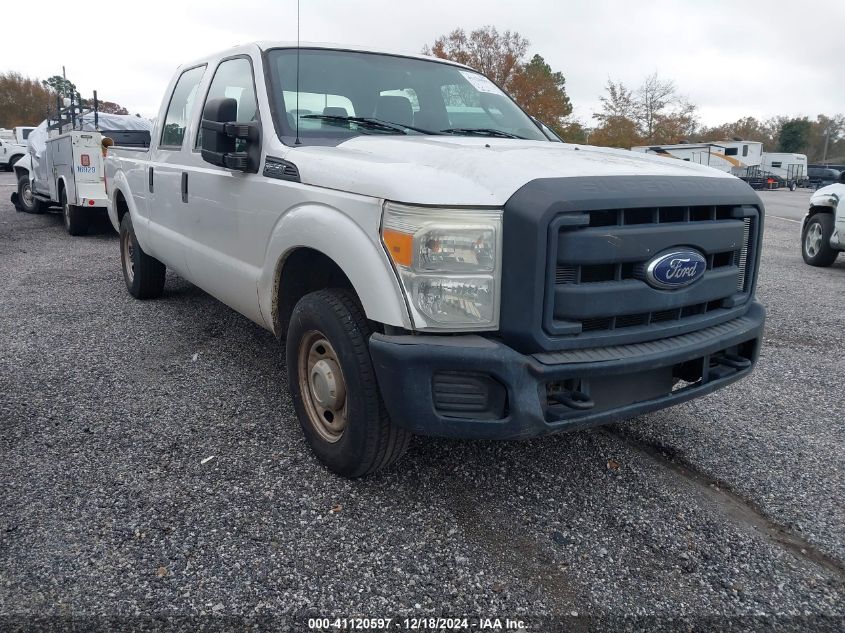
[
  {"x": 343, "y": 253},
  {"x": 121, "y": 207},
  {"x": 301, "y": 271},
  {"x": 60, "y": 187},
  {"x": 815, "y": 210}
]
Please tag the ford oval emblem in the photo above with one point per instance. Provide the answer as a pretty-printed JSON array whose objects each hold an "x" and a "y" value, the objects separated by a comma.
[{"x": 675, "y": 270}]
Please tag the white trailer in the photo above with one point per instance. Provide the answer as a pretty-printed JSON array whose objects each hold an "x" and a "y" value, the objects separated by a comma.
[
  {"x": 733, "y": 157},
  {"x": 792, "y": 168}
]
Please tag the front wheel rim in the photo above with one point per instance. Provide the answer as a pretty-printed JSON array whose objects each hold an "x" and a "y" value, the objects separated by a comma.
[
  {"x": 128, "y": 260},
  {"x": 322, "y": 386},
  {"x": 813, "y": 242}
]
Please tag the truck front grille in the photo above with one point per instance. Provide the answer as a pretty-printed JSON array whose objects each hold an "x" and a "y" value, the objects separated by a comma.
[{"x": 597, "y": 287}]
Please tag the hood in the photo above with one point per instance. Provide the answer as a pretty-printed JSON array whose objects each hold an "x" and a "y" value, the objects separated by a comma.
[
  {"x": 441, "y": 170},
  {"x": 828, "y": 196}
]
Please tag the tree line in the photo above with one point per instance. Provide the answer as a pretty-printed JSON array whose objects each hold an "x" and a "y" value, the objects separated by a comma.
[
  {"x": 652, "y": 113},
  {"x": 27, "y": 101}
]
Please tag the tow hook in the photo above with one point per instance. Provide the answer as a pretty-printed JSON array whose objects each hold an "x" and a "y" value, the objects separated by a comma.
[
  {"x": 574, "y": 400},
  {"x": 732, "y": 360}
]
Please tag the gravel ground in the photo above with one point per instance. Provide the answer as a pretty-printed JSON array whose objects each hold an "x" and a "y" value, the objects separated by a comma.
[{"x": 726, "y": 507}]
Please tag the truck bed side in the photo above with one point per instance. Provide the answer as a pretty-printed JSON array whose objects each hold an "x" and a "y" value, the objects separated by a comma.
[{"x": 126, "y": 186}]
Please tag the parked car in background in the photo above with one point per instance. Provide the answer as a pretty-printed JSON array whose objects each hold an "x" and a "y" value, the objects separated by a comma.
[
  {"x": 435, "y": 263},
  {"x": 823, "y": 230},
  {"x": 17, "y": 134},
  {"x": 10, "y": 153},
  {"x": 822, "y": 176}
]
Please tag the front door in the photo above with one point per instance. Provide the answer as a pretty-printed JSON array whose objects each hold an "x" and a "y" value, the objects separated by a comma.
[{"x": 228, "y": 231}]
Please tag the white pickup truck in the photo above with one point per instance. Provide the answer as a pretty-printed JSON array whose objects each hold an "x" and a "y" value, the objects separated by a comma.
[
  {"x": 435, "y": 263},
  {"x": 823, "y": 229},
  {"x": 13, "y": 145}
]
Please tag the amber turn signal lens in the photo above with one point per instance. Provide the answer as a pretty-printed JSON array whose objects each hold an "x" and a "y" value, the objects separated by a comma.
[{"x": 400, "y": 246}]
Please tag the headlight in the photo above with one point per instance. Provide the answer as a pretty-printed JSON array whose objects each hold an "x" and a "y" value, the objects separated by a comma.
[{"x": 448, "y": 262}]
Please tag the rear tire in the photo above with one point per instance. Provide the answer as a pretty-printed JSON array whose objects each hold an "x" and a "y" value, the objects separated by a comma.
[
  {"x": 144, "y": 275},
  {"x": 333, "y": 386},
  {"x": 815, "y": 241},
  {"x": 28, "y": 202},
  {"x": 76, "y": 219}
]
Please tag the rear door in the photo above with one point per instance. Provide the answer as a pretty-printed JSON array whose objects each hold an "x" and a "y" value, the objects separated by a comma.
[
  {"x": 169, "y": 227},
  {"x": 87, "y": 168}
]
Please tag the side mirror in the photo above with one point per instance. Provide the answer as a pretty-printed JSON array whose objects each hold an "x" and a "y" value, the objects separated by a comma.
[
  {"x": 220, "y": 133},
  {"x": 842, "y": 176}
]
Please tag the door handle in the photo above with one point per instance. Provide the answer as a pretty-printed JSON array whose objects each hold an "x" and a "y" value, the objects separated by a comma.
[
  {"x": 151, "y": 180},
  {"x": 184, "y": 186}
]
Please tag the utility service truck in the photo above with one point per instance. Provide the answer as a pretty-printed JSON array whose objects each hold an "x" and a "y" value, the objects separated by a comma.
[
  {"x": 63, "y": 164},
  {"x": 435, "y": 263}
]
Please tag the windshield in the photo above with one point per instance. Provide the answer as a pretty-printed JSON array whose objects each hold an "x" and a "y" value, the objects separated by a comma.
[{"x": 412, "y": 96}]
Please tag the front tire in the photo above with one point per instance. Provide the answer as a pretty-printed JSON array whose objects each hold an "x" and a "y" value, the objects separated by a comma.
[
  {"x": 333, "y": 386},
  {"x": 144, "y": 275},
  {"x": 27, "y": 199},
  {"x": 76, "y": 219},
  {"x": 815, "y": 241}
]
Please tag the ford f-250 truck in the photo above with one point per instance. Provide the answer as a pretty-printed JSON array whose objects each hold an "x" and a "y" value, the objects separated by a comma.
[{"x": 436, "y": 265}]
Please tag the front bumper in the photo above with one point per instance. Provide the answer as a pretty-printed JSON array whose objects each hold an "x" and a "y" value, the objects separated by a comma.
[{"x": 476, "y": 387}]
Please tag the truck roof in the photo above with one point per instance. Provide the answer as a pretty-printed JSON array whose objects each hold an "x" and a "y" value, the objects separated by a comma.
[{"x": 265, "y": 45}]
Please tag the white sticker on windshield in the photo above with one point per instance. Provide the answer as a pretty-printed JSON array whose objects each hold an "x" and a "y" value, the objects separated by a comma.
[{"x": 480, "y": 82}]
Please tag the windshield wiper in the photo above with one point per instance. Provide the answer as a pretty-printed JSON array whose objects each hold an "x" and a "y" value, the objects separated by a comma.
[
  {"x": 480, "y": 131},
  {"x": 368, "y": 122}
]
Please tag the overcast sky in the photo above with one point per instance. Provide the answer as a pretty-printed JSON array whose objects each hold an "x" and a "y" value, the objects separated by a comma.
[{"x": 731, "y": 58}]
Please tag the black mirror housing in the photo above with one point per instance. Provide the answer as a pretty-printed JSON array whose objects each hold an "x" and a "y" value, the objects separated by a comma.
[
  {"x": 220, "y": 133},
  {"x": 842, "y": 176}
]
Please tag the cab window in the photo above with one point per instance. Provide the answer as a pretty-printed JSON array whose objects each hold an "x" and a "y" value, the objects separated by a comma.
[
  {"x": 179, "y": 109},
  {"x": 233, "y": 80}
]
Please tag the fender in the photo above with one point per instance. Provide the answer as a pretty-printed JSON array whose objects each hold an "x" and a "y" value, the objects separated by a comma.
[
  {"x": 826, "y": 200},
  {"x": 360, "y": 256},
  {"x": 118, "y": 183},
  {"x": 23, "y": 167}
]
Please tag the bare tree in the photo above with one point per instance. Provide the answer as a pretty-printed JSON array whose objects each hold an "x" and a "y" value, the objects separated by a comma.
[
  {"x": 653, "y": 113},
  {"x": 652, "y": 98}
]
